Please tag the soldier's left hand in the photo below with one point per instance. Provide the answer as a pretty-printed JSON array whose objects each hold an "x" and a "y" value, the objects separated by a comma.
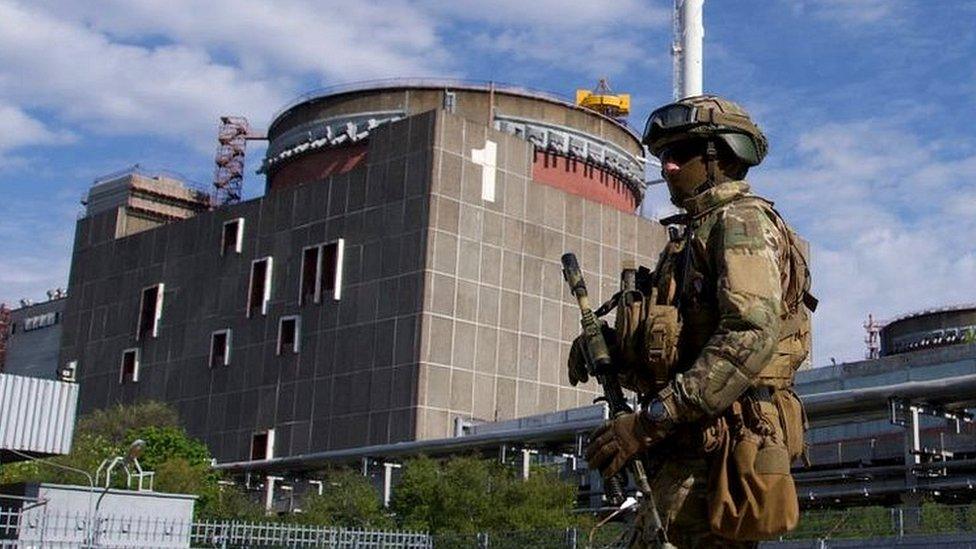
[{"x": 614, "y": 443}]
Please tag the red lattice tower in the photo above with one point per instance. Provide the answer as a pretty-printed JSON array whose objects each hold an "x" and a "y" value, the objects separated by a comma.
[
  {"x": 232, "y": 138},
  {"x": 4, "y": 333}
]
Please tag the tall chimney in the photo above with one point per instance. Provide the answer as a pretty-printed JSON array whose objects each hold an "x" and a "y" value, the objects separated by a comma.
[{"x": 686, "y": 50}]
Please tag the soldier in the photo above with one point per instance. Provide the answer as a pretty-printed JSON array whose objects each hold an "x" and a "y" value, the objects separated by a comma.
[{"x": 715, "y": 344}]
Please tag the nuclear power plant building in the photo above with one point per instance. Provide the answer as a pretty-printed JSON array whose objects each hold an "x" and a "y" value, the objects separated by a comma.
[{"x": 400, "y": 273}]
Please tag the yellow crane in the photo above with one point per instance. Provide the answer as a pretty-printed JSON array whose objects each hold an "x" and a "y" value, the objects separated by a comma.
[{"x": 602, "y": 100}]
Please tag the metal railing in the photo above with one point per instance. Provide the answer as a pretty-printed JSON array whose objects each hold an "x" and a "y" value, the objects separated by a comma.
[
  {"x": 432, "y": 83},
  {"x": 927, "y": 524},
  {"x": 268, "y": 534},
  {"x": 41, "y": 527}
]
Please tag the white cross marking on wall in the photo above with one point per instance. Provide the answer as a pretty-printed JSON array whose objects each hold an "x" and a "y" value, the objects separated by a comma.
[{"x": 486, "y": 158}]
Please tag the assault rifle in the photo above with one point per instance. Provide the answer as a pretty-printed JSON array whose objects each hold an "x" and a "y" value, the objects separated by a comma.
[{"x": 600, "y": 365}]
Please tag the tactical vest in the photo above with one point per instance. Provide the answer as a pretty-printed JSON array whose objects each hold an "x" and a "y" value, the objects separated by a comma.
[{"x": 679, "y": 312}]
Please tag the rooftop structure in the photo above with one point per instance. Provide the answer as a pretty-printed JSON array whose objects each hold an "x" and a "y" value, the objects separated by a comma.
[
  {"x": 575, "y": 148},
  {"x": 953, "y": 325},
  {"x": 34, "y": 338},
  {"x": 143, "y": 200}
]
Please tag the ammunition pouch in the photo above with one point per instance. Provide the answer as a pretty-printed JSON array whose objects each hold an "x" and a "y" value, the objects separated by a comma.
[
  {"x": 752, "y": 495},
  {"x": 648, "y": 336}
]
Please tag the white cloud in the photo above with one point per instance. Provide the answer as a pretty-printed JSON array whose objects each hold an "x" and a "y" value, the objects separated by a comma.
[
  {"x": 18, "y": 129},
  {"x": 557, "y": 14},
  {"x": 171, "y": 68},
  {"x": 883, "y": 211},
  {"x": 850, "y": 12},
  {"x": 329, "y": 40},
  {"x": 84, "y": 78}
]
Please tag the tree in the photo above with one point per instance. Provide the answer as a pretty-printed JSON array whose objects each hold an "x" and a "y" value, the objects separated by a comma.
[
  {"x": 467, "y": 495},
  {"x": 116, "y": 423},
  {"x": 348, "y": 500},
  {"x": 543, "y": 501},
  {"x": 181, "y": 463}
]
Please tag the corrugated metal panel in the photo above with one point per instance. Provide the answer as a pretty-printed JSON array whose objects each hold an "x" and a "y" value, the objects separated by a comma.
[{"x": 37, "y": 415}]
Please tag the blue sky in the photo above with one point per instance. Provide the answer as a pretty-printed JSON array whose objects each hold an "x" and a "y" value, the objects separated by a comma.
[{"x": 869, "y": 107}]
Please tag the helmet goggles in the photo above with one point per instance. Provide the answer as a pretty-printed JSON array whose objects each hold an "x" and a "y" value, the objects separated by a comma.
[{"x": 685, "y": 120}]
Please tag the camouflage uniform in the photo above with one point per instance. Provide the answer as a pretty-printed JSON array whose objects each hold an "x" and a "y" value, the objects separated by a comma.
[
  {"x": 741, "y": 327},
  {"x": 739, "y": 282}
]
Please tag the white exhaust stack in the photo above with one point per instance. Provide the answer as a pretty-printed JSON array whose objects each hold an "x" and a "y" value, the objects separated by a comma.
[{"x": 686, "y": 50}]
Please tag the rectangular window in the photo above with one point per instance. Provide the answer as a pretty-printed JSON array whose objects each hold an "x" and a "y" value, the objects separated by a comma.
[
  {"x": 321, "y": 271},
  {"x": 129, "y": 372},
  {"x": 262, "y": 445},
  {"x": 289, "y": 335},
  {"x": 150, "y": 311},
  {"x": 259, "y": 291},
  {"x": 311, "y": 269},
  {"x": 232, "y": 237},
  {"x": 220, "y": 348}
]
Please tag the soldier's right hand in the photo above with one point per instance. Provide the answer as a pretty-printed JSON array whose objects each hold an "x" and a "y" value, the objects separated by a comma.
[{"x": 576, "y": 365}]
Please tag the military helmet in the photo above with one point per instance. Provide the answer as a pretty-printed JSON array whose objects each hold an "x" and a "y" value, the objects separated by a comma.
[{"x": 704, "y": 116}]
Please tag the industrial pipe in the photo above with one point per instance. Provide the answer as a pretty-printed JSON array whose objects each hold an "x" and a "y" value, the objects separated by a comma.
[
  {"x": 872, "y": 402},
  {"x": 822, "y": 409}
]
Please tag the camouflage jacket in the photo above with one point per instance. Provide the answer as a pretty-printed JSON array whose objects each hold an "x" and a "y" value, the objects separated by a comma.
[{"x": 739, "y": 289}]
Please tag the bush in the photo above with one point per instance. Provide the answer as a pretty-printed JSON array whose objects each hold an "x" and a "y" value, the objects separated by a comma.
[
  {"x": 466, "y": 495},
  {"x": 181, "y": 463},
  {"x": 348, "y": 500}
]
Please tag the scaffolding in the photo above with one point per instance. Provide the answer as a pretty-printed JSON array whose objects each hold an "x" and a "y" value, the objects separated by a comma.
[
  {"x": 872, "y": 339},
  {"x": 232, "y": 138}
]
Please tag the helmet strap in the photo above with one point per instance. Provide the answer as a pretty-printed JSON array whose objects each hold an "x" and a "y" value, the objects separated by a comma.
[{"x": 711, "y": 167}]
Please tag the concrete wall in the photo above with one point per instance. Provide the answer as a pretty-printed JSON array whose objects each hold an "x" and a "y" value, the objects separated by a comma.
[
  {"x": 498, "y": 318},
  {"x": 354, "y": 380}
]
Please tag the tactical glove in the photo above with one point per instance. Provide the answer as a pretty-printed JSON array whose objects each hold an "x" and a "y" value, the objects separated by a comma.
[
  {"x": 614, "y": 443},
  {"x": 576, "y": 364}
]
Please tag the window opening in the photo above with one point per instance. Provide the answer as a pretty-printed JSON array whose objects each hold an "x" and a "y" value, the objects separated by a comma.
[
  {"x": 232, "y": 238},
  {"x": 130, "y": 366},
  {"x": 321, "y": 272},
  {"x": 289, "y": 335},
  {"x": 220, "y": 348},
  {"x": 310, "y": 284},
  {"x": 262, "y": 445},
  {"x": 150, "y": 311},
  {"x": 259, "y": 292}
]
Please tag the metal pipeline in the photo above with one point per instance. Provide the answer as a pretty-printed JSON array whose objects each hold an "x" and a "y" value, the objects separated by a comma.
[
  {"x": 822, "y": 409},
  {"x": 872, "y": 402}
]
